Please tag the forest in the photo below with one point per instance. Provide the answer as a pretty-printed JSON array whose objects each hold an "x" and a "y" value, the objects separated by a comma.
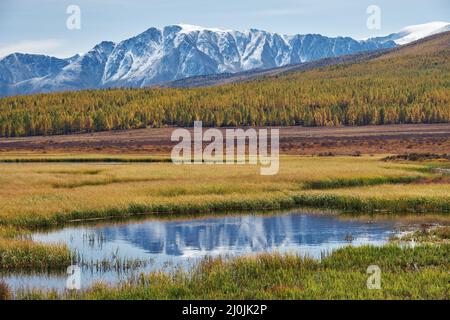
[{"x": 392, "y": 89}]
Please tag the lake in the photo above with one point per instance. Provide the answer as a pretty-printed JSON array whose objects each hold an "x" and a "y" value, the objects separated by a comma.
[{"x": 154, "y": 244}]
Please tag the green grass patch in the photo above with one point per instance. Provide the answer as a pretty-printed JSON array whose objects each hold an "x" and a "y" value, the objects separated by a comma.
[
  {"x": 72, "y": 172},
  {"x": 344, "y": 203},
  {"x": 102, "y": 182},
  {"x": 19, "y": 252},
  {"x": 427, "y": 234},
  {"x": 358, "y": 182},
  {"x": 373, "y": 205},
  {"x": 28, "y": 255},
  {"x": 406, "y": 273}
]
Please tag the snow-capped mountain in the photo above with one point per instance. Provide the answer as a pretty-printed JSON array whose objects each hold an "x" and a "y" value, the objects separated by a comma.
[
  {"x": 17, "y": 67},
  {"x": 180, "y": 51},
  {"x": 416, "y": 32}
]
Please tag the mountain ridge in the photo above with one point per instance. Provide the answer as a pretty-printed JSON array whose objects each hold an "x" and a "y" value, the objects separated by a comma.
[
  {"x": 159, "y": 56},
  {"x": 406, "y": 84},
  {"x": 219, "y": 79}
]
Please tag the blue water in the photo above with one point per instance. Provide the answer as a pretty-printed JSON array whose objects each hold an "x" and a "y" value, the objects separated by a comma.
[{"x": 165, "y": 244}]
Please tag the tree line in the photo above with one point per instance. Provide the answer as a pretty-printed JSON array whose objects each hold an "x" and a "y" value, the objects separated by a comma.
[{"x": 384, "y": 91}]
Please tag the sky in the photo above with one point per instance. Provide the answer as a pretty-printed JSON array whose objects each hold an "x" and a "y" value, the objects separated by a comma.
[{"x": 40, "y": 26}]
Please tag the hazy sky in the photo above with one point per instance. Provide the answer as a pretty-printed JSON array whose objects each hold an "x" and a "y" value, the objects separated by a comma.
[{"x": 39, "y": 26}]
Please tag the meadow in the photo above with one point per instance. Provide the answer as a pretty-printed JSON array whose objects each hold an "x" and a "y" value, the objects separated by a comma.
[
  {"x": 50, "y": 190},
  {"x": 41, "y": 194}
]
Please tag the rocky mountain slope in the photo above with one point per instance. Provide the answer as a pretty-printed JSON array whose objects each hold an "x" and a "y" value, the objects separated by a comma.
[{"x": 175, "y": 52}]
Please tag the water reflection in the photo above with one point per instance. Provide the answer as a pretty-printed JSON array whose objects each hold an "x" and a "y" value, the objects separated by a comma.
[
  {"x": 180, "y": 242},
  {"x": 247, "y": 233}
]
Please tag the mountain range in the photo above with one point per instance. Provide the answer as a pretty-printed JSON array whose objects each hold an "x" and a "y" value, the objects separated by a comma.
[{"x": 160, "y": 56}]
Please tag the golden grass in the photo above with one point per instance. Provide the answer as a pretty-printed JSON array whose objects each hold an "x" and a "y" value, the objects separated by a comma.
[
  {"x": 25, "y": 254},
  {"x": 393, "y": 191},
  {"x": 43, "y": 191},
  {"x": 18, "y": 251}
]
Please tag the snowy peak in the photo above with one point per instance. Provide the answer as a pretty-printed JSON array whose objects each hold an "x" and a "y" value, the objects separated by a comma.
[
  {"x": 188, "y": 28},
  {"x": 18, "y": 67},
  {"x": 104, "y": 48},
  {"x": 174, "y": 52},
  {"x": 419, "y": 31}
]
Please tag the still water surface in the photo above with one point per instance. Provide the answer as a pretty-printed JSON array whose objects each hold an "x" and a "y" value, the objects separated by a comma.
[{"x": 165, "y": 244}]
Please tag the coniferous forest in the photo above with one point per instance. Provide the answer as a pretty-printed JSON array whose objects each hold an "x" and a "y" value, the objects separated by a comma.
[{"x": 408, "y": 85}]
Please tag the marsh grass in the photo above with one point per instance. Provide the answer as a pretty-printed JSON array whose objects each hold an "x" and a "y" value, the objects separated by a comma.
[
  {"x": 42, "y": 194},
  {"x": 116, "y": 264},
  {"x": 427, "y": 234},
  {"x": 440, "y": 233},
  {"x": 72, "y": 172},
  {"x": 110, "y": 180},
  {"x": 50, "y": 194},
  {"x": 29, "y": 255},
  {"x": 11, "y": 232},
  {"x": 5, "y": 292},
  {"x": 375, "y": 204},
  {"x": 407, "y": 273},
  {"x": 358, "y": 182},
  {"x": 19, "y": 252}
]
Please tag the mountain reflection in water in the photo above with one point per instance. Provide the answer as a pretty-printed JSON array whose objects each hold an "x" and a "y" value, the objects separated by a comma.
[
  {"x": 179, "y": 242},
  {"x": 223, "y": 235}
]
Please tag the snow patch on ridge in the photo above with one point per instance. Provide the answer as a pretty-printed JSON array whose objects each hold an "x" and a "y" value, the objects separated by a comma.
[
  {"x": 188, "y": 28},
  {"x": 416, "y": 32},
  {"x": 180, "y": 51}
]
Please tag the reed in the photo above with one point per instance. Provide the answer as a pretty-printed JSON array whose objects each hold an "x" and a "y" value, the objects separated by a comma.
[
  {"x": 428, "y": 233},
  {"x": 28, "y": 255},
  {"x": 5, "y": 292},
  {"x": 373, "y": 204},
  {"x": 407, "y": 273},
  {"x": 358, "y": 182}
]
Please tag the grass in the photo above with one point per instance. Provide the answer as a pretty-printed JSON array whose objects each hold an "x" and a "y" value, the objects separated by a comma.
[
  {"x": 18, "y": 251},
  {"x": 32, "y": 256},
  {"x": 366, "y": 201},
  {"x": 406, "y": 273},
  {"x": 358, "y": 182},
  {"x": 5, "y": 292},
  {"x": 42, "y": 194},
  {"x": 50, "y": 194},
  {"x": 428, "y": 234}
]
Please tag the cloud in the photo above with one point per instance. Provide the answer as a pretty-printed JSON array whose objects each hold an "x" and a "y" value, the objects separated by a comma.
[{"x": 45, "y": 46}]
